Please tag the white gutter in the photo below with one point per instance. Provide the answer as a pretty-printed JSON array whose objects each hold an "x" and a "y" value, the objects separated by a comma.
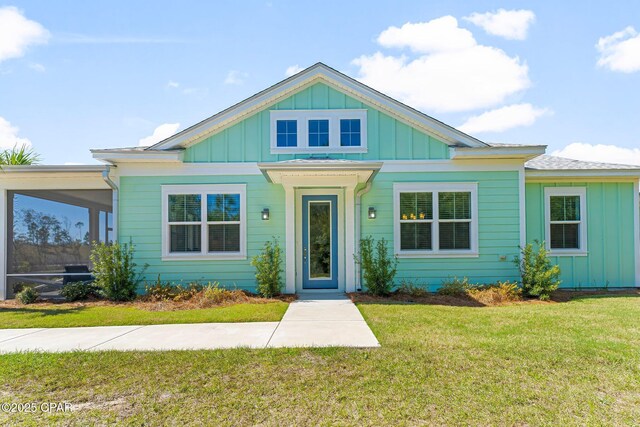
[
  {"x": 115, "y": 195},
  {"x": 359, "y": 195}
]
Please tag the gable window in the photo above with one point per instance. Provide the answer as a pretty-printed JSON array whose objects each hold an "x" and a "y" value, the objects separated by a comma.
[
  {"x": 565, "y": 213},
  {"x": 350, "y": 132},
  {"x": 204, "y": 221},
  {"x": 318, "y": 131},
  {"x": 435, "y": 219},
  {"x": 287, "y": 133}
]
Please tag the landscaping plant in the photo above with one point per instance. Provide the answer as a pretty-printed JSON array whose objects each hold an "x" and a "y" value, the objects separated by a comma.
[
  {"x": 378, "y": 268},
  {"x": 539, "y": 277},
  {"x": 268, "y": 266},
  {"x": 115, "y": 270},
  {"x": 455, "y": 287},
  {"x": 27, "y": 295},
  {"x": 78, "y": 291}
]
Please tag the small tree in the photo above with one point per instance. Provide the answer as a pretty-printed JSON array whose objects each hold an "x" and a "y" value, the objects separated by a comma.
[
  {"x": 378, "y": 268},
  {"x": 268, "y": 266},
  {"x": 539, "y": 277},
  {"x": 114, "y": 270}
]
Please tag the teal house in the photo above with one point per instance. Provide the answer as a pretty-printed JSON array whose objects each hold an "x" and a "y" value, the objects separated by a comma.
[{"x": 320, "y": 161}]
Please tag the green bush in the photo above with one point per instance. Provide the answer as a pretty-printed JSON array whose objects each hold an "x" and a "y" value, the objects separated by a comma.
[
  {"x": 412, "y": 289},
  {"x": 115, "y": 271},
  {"x": 167, "y": 291},
  {"x": 77, "y": 291},
  {"x": 378, "y": 268},
  {"x": 539, "y": 277},
  {"x": 455, "y": 287},
  {"x": 268, "y": 266},
  {"x": 27, "y": 295},
  {"x": 496, "y": 293}
]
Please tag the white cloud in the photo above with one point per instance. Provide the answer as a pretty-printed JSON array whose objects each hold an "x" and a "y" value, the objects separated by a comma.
[
  {"x": 235, "y": 77},
  {"x": 510, "y": 24},
  {"x": 37, "y": 67},
  {"x": 9, "y": 136},
  {"x": 173, "y": 84},
  {"x": 160, "y": 133},
  {"x": 293, "y": 69},
  {"x": 17, "y": 33},
  {"x": 620, "y": 51},
  {"x": 438, "y": 35},
  {"x": 600, "y": 153},
  {"x": 504, "y": 118}
]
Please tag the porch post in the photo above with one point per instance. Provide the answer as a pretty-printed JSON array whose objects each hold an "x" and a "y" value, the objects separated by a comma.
[
  {"x": 290, "y": 244},
  {"x": 3, "y": 244},
  {"x": 350, "y": 237}
]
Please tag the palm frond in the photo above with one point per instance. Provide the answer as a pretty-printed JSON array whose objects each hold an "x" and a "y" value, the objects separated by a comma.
[{"x": 19, "y": 156}]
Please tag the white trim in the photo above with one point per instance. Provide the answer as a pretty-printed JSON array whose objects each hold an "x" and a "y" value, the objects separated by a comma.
[
  {"x": 302, "y": 117},
  {"x": 566, "y": 191},
  {"x": 523, "y": 152},
  {"x": 297, "y": 225},
  {"x": 3, "y": 244},
  {"x": 540, "y": 174},
  {"x": 350, "y": 239},
  {"x": 290, "y": 233},
  {"x": 522, "y": 206},
  {"x": 447, "y": 165},
  {"x": 636, "y": 227},
  {"x": 435, "y": 188},
  {"x": 122, "y": 156},
  {"x": 312, "y": 75},
  {"x": 203, "y": 190},
  {"x": 331, "y": 257},
  {"x": 188, "y": 169}
]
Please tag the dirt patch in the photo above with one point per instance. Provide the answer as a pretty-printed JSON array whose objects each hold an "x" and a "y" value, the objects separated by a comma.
[{"x": 466, "y": 301}]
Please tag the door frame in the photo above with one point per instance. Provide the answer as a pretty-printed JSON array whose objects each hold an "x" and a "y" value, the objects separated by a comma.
[{"x": 339, "y": 192}]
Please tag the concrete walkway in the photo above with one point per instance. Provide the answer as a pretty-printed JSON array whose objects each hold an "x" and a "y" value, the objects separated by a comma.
[{"x": 320, "y": 320}]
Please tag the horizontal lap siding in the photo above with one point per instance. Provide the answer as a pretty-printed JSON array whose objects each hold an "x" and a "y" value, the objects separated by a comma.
[
  {"x": 610, "y": 259},
  {"x": 498, "y": 222},
  {"x": 141, "y": 223},
  {"x": 249, "y": 140}
]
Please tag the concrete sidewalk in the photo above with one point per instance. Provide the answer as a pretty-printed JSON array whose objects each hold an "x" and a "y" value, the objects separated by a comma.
[{"x": 320, "y": 320}]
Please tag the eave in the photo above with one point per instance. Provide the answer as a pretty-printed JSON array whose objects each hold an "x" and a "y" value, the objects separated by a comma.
[{"x": 524, "y": 152}]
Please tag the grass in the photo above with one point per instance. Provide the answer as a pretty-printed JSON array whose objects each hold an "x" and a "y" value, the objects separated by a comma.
[
  {"x": 70, "y": 315},
  {"x": 574, "y": 363}
]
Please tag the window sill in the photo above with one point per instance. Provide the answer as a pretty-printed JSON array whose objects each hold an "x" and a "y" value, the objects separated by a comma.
[
  {"x": 198, "y": 257},
  {"x": 567, "y": 253},
  {"x": 438, "y": 255},
  {"x": 306, "y": 150}
]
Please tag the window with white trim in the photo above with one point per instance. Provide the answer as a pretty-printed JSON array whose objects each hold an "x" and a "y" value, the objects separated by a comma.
[
  {"x": 322, "y": 131},
  {"x": 435, "y": 219},
  {"x": 204, "y": 221},
  {"x": 565, "y": 218}
]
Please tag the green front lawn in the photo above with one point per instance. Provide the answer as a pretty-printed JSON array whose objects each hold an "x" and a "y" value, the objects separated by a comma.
[
  {"x": 575, "y": 363},
  {"x": 68, "y": 315}
]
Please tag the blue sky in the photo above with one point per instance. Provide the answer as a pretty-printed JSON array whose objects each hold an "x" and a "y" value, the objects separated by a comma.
[{"x": 80, "y": 75}]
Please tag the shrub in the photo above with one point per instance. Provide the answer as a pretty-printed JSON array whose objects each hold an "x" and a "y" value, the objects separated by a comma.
[
  {"x": 77, "y": 291},
  {"x": 539, "y": 277},
  {"x": 167, "y": 291},
  {"x": 412, "y": 289},
  {"x": 378, "y": 268},
  {"x": 268, "y": 266},
  {"x": 497, "y": 293},
  {"x": 115, "y": 271},
  {"x": 455, "y": 287},
  {"x": 27, "y": 295}
]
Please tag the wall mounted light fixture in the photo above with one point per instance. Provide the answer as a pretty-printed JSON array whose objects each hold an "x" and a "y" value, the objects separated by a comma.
[
  {"x": 372, "y": 212},
  {"x": 265, "y": 214}
]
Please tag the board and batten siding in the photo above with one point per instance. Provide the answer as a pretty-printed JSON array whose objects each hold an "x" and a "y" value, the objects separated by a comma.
[
  {"x": 141, "y": 223},
  {"x": 249, "y": 140},
  {"x": 610, "y": 238},
  {"x": 498, "y": 223}
]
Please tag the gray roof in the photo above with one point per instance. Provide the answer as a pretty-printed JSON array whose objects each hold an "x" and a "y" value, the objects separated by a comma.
[{"x": 547, "y": 162}]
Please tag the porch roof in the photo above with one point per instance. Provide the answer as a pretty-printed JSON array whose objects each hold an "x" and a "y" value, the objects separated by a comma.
[{"x": 276, "y": 172}]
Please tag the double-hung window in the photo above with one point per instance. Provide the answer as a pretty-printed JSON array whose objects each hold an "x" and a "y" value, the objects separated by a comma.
[
  {"x": 204, "y": 221},
  {"x": 435, "y": 219},
  {"x": 318, "y": 131},
  {"x": 565, "y": 218}
]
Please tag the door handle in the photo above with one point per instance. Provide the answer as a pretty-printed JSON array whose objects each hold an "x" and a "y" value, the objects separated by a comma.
[{"x": 304, "y": 254}]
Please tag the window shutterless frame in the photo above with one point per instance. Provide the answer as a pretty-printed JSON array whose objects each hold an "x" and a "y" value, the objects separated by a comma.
[
  {"x": 581, "y": 192},
  {"x": 203, "y": 191},
  {"x": 436, "y": 188},
  {"x": 302, "y": 117}
]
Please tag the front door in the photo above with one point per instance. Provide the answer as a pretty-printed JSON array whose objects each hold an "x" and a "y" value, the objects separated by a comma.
[{"x": 319, "y": 242}]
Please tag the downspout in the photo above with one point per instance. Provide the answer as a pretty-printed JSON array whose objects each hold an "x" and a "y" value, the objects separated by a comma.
[
  {"x": 115, "y": 198},
  {"x": 359, "y": 195}
]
